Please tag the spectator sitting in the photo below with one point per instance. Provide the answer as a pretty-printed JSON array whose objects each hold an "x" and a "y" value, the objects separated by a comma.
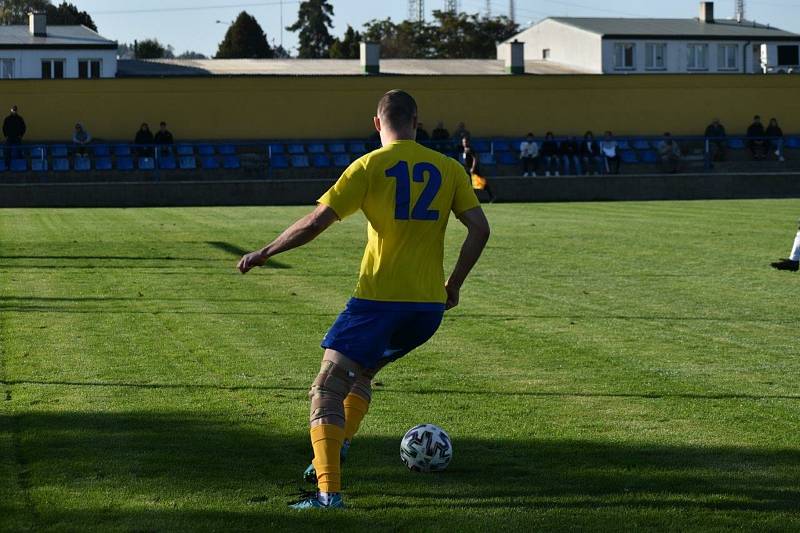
[
  {"x": 81, "y": 138},
  {"x": 549, "y": 154},
  {"x": 144, "y": 141},
  {"x": 422, "y": 135},
  {"x": 469, "y": 158},
  {"x": 591, "y": 156},
  {"x": 715, "y": 137},
  {"x": 13, "y": 130},
  {"x": 669, "y": 154},
  {"x": 440, "y": 136},
  {"x": 775, "y": 135},
  {"x": 529, "y": 155},
  {"x": 461, "y": 132},
  {"x": 570, "y": 156},
  {"x": 163, "y": 139},
  {"x": 610, "y": 152},
  {"x": 757, "y": 143}
]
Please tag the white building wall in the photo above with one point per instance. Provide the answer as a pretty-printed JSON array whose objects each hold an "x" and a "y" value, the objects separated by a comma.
[
  {"x": 677, "y": 56},
  {"x": 28, "y": 63},
  {"x": 568, "y": 45}
]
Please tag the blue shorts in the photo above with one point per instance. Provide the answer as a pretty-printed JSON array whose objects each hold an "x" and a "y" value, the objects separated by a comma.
[{"x": 374, "y": 333}]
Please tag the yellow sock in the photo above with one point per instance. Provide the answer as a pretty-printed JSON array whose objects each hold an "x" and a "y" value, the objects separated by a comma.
[
  {"x": 355, "y": 408},
  {"x": 326, "y": 439}
]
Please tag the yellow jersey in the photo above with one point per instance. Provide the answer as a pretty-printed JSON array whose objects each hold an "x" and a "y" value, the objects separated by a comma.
[{"x": 407, "y": 192}]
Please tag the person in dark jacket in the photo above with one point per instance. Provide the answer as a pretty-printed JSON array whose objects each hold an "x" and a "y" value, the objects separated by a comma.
[
  {"x": 13, "y": 130},
  {"x": 422, "y": 133},
  {"x": 774, "y": 134},
  {"x": 570, "y": 157},
  {"x": 164, "y": 139},
  {"x": 144, "y": 141},
  {"x": 715, "y": 136},
  {"x": 591, "y": 156},
  {"x": 757, "y": 142},
  {"x": 549, "y": 154},
  {"x": 471, "y": 162}
]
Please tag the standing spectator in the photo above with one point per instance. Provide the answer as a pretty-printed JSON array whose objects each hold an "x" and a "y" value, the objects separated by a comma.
[
  {"x": 13, "y": 130},
  {"x": 439, "y": 133},
  {"x": 164, "y": 139},
  {"x": 144, "y": 141},
  {"x": 549, "y": 155},
  {"x": 591, "y": 156},
  {"x": 81, "y": 139},
  {"x": 775, "y": 135},
  {"x": 529, "y": 155},
  {"x": 469, "y": 158},
  {"x": 569, "y": 156},
  {"x": 610, "y": 151},
  {"x": 757, "y": 142},
  {"x": 460, "y": 133},
  {"x": 669, "y": 154},
  {"x": 422, "y": 135},
  {"x": 715, "y": 137}
]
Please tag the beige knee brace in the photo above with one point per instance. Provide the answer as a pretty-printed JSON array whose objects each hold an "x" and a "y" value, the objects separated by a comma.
[
  {"x": 328, "y": 392},
  {"x": 363, "y": 386}
]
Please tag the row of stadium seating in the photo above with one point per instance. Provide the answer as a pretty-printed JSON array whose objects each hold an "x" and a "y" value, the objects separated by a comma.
[{"x": 85, "y": 164}]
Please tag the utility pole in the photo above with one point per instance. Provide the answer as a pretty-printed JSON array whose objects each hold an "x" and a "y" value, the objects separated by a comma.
[
  {"x": 512, "y": 11},
  {"x": 416, "y": 10},
  {"x": 739, "y": 10},
  {"x": 488, "y": 9},
  {"x": 451, "y": 6}
]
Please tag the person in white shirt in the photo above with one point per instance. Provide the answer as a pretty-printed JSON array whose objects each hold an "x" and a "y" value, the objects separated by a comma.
[
  {"x": 791, "y": 263},
  {"x": 529, "y": 155},
  {"x": 610, "y": 151}
]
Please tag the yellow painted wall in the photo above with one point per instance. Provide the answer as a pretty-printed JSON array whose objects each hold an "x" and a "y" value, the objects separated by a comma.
[{"x": 327, "y": 107}]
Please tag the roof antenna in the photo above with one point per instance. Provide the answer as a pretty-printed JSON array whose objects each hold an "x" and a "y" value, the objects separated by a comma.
[{"x": 739, "y": 11}]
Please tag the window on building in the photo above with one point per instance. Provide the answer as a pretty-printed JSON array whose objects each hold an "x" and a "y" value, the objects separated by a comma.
[
  {"x": 88, "y": 68},
  {"x": 656, "y": 56},
  {"x": 697, "y": 56},
  {"x": 6, "y": 68},
  {"x": 52, "y": 69},
  {"x": 545, "y": 53},
  {"x": 728, "y": 57},
  {"x": 624, "y": 56},
  {"x": 788, "y": 55}
]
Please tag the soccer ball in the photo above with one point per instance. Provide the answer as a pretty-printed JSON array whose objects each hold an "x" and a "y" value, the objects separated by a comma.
[{"x": 426, "y": 448}]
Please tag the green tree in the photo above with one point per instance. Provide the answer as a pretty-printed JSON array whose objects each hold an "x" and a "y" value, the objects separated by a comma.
[
  {"x": 151, "y": 49},
  {"x": 190, "y": 54},
  {"x": 16, "y": 11},
  {"x": 348, "y": 47},
  {"x": 66, "y": 14},
  {"x": 244, "y": 39},
  {"x": 406, "y": 39},
  {"x": 313, "y": 22}
]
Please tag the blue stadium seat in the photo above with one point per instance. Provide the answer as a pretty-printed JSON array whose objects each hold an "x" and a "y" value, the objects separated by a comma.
[
  {"x": 341, "y": 160},
  {"x": 61, "y": 164},
  {"x": 279, "y": 161},
  {"x": 296, "y": 149},
  {"x": 102, "y": 163},
  {"x": 124, "y": 163},
  {"x": 502, "y": 146},
  {"x": 641, "y": 144},
  {"x": 792, "y": 142},
  {"x": 650, "y": 157},
  {"x": 481, "y": 146},
  {"x": 101, "y": 150},
  {"x": 507, "y": 158},
  {"x": 487, "y": 159},
  {"x": 38, "y": 152},
  {"x": 274, "y": 149},
  {"x": 629, "y": 156},
  {"x": 231, "y": 162},
  {"x": 226, "y": 149},
  {"x": 185, "y": 149},
  {"x": 736, "y": 144},
  {"x": 122, "y": 150},
  {"x": 322, "y": 161},
  {"x": 209, "y": 162},
  {"x": 83, "y": 164},
  {"x": 623, "y": 144},
  {"x": 19, "y": 165},
  {"x": 316, "y": 148},
  {"x": 39, "y": 165},
  {"x": 3, "y": 166},
  {"x": 59, "y": 150},
  {"x": 167, "y": 162},
  {"x": 147, "y": 163},
  {"x": 337, "y": 148},
  {"x": 357, "y": 148},
  {"x": 300, "y": 161},
  {"x": 205, "y": 149},
  {"x": 187, "y": 162}
]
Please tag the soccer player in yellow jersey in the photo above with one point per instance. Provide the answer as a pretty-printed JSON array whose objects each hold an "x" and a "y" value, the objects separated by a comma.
[{"x": 406, "y": 192}]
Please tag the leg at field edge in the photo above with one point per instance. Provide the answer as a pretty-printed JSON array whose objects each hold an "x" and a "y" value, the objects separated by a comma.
[{"x": 795, "y": 256}]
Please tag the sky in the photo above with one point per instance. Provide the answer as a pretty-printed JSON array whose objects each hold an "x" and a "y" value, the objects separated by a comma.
[{"x": 200, "y": 25}]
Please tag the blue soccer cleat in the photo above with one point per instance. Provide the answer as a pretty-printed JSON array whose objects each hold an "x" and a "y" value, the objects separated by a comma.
[
  {"x": 310, "y": 474},
  {"x": 314, "y": 502}
]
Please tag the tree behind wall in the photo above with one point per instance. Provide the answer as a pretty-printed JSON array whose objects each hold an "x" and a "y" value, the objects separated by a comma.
[
  {"x": 348, "y": 47},
  {"x": 65, "y": 14},
  {"x": 68, "y": 15},
  {"x": 16, "y": 11},
  {"x": 244, "y": 39},
  {"x": 313, "y": 22},
  {"x": 152, "y": 49}
]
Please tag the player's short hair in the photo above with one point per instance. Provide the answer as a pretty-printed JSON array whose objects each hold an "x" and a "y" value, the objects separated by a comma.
[{"x": 397, "y": 108}]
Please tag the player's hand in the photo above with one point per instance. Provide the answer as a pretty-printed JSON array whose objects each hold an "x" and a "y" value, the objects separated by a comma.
[
  {"x": 251, "y": 260},
  {"x": 452, "y": 296}
]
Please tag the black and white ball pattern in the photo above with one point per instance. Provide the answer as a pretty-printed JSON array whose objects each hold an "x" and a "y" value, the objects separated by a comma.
[{"x": 426, "y": 448}]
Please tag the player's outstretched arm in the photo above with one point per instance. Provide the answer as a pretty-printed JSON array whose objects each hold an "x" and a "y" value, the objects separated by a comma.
[
  {"x": 477, "y": 236},
  {"x": 301, "y": 232}
]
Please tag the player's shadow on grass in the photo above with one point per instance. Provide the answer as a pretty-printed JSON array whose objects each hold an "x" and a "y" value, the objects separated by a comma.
[
  {"x": 238, "y": 252},
  {"x": 168, "y": 471}
]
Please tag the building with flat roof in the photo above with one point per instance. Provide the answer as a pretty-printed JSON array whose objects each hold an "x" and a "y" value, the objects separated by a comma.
[
  {"x": 37, "y": 51},
  {"x": 661, "y": 46}
]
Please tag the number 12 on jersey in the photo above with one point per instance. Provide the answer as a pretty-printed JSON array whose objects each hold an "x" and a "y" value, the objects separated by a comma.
[{"x": 403, "y": 190}]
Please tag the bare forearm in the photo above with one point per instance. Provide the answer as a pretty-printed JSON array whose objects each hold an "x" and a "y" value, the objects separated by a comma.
[
  {"x": 470, "y": 252},
  {"x": 301, "y": 232}
]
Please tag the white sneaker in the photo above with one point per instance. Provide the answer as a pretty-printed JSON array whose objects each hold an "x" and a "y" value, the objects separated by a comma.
[
  {"x": 547, "y": 173},
  {"x": 557, "y": 174},
  {"x": 524, "y": 174}
]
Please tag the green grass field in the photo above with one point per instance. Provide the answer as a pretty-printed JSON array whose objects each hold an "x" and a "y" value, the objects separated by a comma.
[{"x": 613, "y": 366}]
